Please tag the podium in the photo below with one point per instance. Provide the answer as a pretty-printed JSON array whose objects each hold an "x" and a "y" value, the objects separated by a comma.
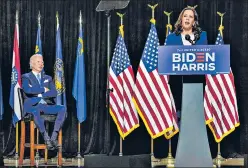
[{"x": 193, "y": 146}]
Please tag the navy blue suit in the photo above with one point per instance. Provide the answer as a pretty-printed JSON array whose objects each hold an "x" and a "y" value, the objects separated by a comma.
[
  {"x": 176, "y": 81},
  {"x": 33, "y": 103}
]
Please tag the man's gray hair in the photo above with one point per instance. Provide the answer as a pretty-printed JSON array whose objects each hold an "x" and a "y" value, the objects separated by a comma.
[{"x": 32, "y": 58}]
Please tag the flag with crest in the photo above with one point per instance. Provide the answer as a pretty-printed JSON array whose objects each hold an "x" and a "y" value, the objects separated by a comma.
[
  {"x": 15, "y": 78},
  {"x": 59, "y": 70}
]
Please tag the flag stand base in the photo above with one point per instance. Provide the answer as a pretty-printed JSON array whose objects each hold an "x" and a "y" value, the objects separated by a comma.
[
  {"x": 169, "y": 161},
  {"x": 219, "y": 160}
]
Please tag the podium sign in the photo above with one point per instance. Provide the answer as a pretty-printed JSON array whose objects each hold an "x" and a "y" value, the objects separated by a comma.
[{"x": 193, "y": 60}]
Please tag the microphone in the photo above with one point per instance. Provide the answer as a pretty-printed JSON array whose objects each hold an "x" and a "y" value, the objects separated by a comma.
[{"x": 187, "y": 37}]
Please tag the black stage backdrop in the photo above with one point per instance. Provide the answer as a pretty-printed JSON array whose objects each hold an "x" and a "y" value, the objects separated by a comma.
[{"x": 99, "y": 133}]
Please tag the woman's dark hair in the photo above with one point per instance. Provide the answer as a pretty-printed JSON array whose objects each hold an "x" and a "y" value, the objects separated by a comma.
[{"x": 196, "y": 28}]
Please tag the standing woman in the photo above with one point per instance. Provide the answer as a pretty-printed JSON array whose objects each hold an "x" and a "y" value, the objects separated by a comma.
[
  {"x": 187, "y": 32},
  {"x": 187, "y": 25}
]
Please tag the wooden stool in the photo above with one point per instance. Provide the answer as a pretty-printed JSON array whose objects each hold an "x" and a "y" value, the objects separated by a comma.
[{"x": 32, "y": 145}]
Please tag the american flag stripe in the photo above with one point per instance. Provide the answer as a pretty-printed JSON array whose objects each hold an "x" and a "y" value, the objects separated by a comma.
[
  {"x": 158, "y": 86},
  {"x": 116, "y": 108},
  {"x": 175, "y": 129},
  {"x": 150, "y": 109},
  {"x": 153, "y": 90},
  {"x": 118, "y": 114},
  {"x": 216, "y": 112},
  {"x": 150, "y": 102},
  {"x": 166, "y": 78},
  {"x": 214, "y": 127},
  {"x": 148, "y": 121},
  {"x": 227, "y": 93},
  {"x": 118, "y": 98},
  {"x": 228, "y": 120},
  {"x": 220, "y": 107},
  {"x": 128, "y": 96},
  {"x": 207, "y": 106},
  {"x": 231, "y": 93},
  {"x": 150, "y": 105}
]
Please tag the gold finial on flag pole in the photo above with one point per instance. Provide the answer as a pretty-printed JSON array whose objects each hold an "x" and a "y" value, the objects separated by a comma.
[
  {"x": 168, "y": 25},
  {"x": 121, "y": 16},
  {"x": 221, "y": 15},
  {"x": 221, "y": 27},
  {"x": 121, "y": 26},
  {"x": 153, "y": 10},
  {"x": 193, "y": 7},
  {"x": 168, "y": 15}
]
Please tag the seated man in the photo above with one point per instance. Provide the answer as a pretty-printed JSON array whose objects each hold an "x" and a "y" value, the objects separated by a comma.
[{"x": 41, "y": 98}]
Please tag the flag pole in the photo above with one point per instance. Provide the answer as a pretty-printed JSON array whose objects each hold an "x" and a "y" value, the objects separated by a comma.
[
  {"x": 57, "y": 26},
  {"x": 169, "y": 161},
  {"x": 79, "y": 126},
  {"x": 219, "y": 159},
  {"x": 122, "y": 33},
  {"x": 153, "y": 21},
  {"x": 37, "y": 130},
  {"x": 17, "y": 126}
]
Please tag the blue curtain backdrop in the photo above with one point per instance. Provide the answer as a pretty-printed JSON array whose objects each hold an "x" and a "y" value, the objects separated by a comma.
[{"x": 99, "y": 134}]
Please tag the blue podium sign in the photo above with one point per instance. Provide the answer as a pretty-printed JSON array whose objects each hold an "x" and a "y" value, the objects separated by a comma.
[{"x": 193, "y": 60}]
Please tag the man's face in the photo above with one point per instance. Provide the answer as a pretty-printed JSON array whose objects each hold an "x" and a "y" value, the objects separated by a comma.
[{"x": 37, "y": 64}]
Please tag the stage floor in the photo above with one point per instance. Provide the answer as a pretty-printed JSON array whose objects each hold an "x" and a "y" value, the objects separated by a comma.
[{"x": 74, "y": 162}]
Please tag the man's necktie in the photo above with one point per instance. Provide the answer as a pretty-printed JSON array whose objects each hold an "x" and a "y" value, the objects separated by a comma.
[{"x": 39, "y": 78}]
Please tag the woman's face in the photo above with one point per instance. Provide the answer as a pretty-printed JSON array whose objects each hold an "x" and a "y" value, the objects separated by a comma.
[{"x": 188, "y": 19}]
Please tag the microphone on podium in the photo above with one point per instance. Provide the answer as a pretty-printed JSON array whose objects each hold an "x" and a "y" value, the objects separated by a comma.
[{"x": 187, "y": 37}]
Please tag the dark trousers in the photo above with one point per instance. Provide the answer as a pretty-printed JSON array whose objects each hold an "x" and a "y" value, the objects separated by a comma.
[{"x": 59, "y": 110}]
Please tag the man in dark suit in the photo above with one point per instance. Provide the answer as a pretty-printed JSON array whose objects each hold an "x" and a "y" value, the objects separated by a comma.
[{"x": 41, "y": 98}]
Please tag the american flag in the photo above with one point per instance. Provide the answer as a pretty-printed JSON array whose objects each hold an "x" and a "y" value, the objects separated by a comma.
[
  {"x": 220, "y": 102},
  {"x": 175, "y": 130},
  {"x": 152, "y": 92},
  {"x": 121, "y": 80}
]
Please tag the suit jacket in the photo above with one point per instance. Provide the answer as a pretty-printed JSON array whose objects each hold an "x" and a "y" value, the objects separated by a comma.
[
  {"x": 32, "y": 88},
  {"x": 173, "y": 39}
]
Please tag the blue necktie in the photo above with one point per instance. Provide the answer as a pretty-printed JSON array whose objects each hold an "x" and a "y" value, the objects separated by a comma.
[{"x": 39, "y": 78}]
